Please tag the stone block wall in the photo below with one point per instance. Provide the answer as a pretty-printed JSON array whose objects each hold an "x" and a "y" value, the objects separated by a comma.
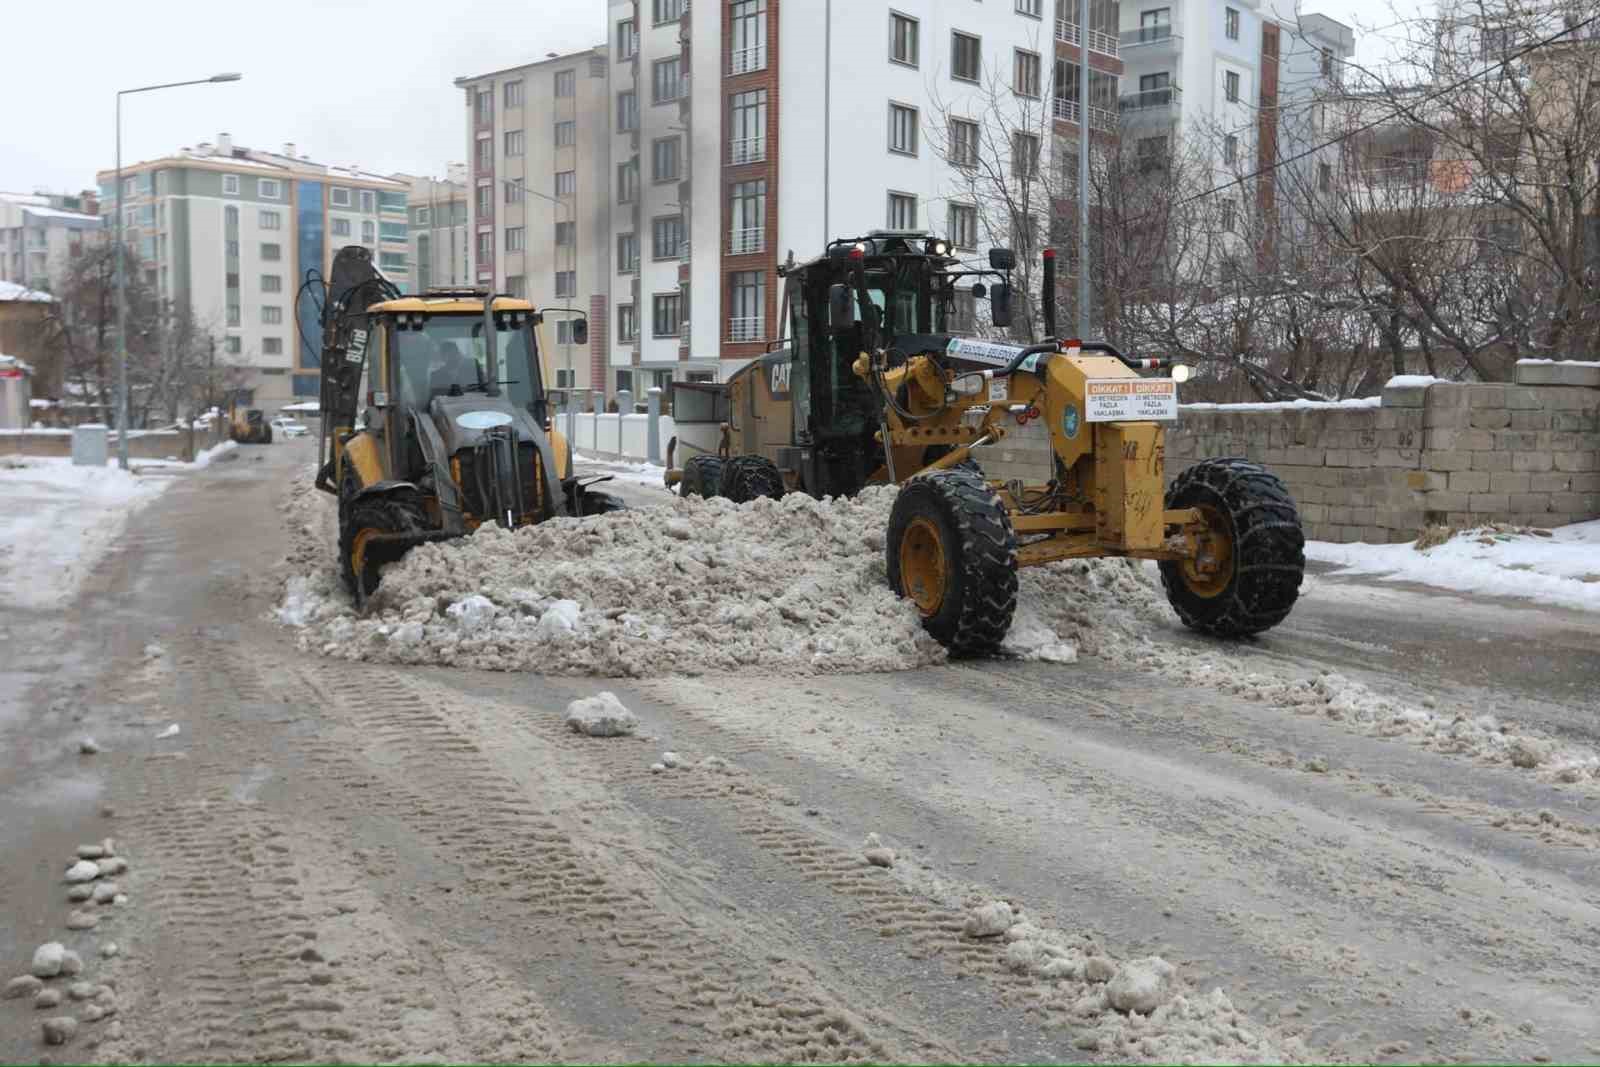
[{"x": 1429, "y": 453}]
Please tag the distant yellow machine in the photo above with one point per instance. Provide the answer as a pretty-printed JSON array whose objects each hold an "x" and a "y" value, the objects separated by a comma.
[
  {"x": 876, "y": 385},
  {"x": 248, "y": 426},
  {"x": 455, "y": 428}
]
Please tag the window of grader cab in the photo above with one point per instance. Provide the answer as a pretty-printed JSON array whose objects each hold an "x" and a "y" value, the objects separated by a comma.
[{"x": 448, "y": 353}]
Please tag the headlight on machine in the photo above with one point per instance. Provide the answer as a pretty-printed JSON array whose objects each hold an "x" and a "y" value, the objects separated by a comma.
[{"x": 1180, "y": 373}]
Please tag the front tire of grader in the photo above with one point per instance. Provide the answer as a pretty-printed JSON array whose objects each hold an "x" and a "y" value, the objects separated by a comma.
[
  {"x": 744, "y": 478},
  {"x": 361, "y": 561},
  {"x": 702, "y": 476},
  {"x": 952, "y": 551},
  {"x": 1257, "y": 541}
]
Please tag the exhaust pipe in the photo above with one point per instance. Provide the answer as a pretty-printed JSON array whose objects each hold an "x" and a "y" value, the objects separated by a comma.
[{"x": 1048, "y": 297}]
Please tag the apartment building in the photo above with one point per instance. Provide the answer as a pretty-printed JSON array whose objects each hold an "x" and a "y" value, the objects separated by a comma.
[
  {"x": 231, "y": 231},
  {"x": 41, "y": 233},
  {"x": 539, "y": 144},
  {"x": 439, "y": 229}
]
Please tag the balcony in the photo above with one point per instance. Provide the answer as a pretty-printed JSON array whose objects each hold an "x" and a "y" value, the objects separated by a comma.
[
  {"x": 1069, "y": 32},
  {"x": 1099, "y": 118},
  {"x": 745, "y": 330},
  {"x": 1151, "y": 41},
  {"x": 748, "y": 241},
  {"x": 747, "y": 150},
  {"x": 1150, "y": 105},
  {"x": 745, "y": 60}
]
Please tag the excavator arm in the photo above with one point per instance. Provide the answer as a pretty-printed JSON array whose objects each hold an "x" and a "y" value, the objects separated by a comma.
[{"x": 355, "y": 283}]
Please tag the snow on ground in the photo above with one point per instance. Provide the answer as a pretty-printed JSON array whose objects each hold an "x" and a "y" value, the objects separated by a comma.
[
  {"x": 1561, "y": 569},
  {"x": 58, "y": 522},
  {"x": 797, "y": 586},
  {"x": 648, "y": 474}
]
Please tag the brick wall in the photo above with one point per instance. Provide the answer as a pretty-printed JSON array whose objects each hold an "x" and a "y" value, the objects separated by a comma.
[{"x": 1429, "y": 453}]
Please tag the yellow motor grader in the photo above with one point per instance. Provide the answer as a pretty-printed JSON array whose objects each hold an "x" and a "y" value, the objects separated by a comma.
[{"x": 877, "y": 386}]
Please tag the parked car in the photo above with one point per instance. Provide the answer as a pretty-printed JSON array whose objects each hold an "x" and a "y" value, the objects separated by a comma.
[{"x": 289, "y": 428}]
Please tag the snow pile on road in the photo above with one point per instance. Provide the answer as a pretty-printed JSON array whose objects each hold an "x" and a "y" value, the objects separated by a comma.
[
  {"x": 1559, "y": 567},
  {"x": 1128, "y": 1010},
  {"x": 794, "y": 586},
  {"x": 58, "y": 522}
]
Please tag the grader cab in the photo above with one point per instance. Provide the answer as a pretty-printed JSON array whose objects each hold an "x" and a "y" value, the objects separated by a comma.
[{"x": 882, "y": 388}]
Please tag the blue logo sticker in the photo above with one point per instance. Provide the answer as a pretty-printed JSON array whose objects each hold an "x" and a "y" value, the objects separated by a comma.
[{"x": 1069, "y": 422}]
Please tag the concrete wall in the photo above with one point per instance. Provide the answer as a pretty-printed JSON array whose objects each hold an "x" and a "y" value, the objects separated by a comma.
[
  {"x": 142, "y": 444},
  {"x": 1443, "y": 453}
]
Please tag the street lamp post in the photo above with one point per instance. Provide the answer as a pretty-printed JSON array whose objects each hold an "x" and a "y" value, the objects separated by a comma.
[
  {"x": 521, "y": 185},
  {"x": 122, "y": 305}
]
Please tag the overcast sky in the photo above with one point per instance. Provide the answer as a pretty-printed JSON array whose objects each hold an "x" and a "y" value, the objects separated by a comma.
[{"x": 348, "y": 81}]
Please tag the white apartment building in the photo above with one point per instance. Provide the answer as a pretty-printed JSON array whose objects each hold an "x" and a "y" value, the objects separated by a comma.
[
  {"x": 230, "y": 232},
  {"x": 440, "y": 229},
  {"x": 538, "y": 142},
  {"x": 41, "y": 233}
]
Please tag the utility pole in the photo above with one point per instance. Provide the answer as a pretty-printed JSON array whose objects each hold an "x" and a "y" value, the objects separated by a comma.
[{"x": 1083, "y": 171}]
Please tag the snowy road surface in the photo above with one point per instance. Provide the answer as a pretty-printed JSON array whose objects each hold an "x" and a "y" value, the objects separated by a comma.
[{"x": 364, "y": 862}]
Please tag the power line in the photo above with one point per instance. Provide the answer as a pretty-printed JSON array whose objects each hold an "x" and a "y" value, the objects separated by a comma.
[{"x": 1436, "y": 94}]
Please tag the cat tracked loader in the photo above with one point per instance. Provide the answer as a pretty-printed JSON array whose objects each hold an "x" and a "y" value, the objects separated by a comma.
[
  {"x": 877, "y": 385},
  {"x": 454, "y": 429}
]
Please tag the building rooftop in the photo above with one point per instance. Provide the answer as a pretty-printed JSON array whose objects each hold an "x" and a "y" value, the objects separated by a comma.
[
  {"x": 225, "y": 153},
  {"x": 54, "y": 213},
  {"x": 585, "y": 53},
  {"x": 11, "y": 291}
]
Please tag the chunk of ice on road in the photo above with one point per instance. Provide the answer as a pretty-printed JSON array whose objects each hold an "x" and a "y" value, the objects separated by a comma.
[
  {"x": 473, "y": 613},
  {"x": 989, "y": 920},
  {"x": 1141, "y": 985},
  {"x": 559, "y": 618},
  {"x": 602, "y": 715},
  {"x": 47, "y": 959},
  {"x": 83, "y": 871},
  {"x": 171, "y": 731}
]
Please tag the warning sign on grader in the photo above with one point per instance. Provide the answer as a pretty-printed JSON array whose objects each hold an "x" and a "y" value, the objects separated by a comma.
[{"x": 1131, "y": 400}]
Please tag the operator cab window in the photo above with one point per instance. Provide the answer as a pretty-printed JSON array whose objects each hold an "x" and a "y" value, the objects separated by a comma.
[{"x": 447, "y": 357}]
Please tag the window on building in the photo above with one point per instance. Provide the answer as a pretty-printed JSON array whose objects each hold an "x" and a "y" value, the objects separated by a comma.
[
  {"x": 271, "y": 316},
  {"x": 1230, "y": 86},
  {"x": 1025, "y": 73},
  {"x": 485, "y": 246},
  {"x": 627, "y": 111},
  {"x": 566, "y": 182},
  {"x": 903, "y": 129},
  {"x": 1030, "y": 7},
  {"x": 748, "y": 49},
  {"x": 966, "y": 57},
  {"x": 566, "y": 233},
  {"x": 666, "y": 79},
  {"x": 1325, "y": 177},
  {"x": 272, "y": 346},
  {"x": 748, "y": 217},
  {"x": 666, "y": 314},
  {"x": 1230, "y": 23},
  {"x": 666, "y": 237},
  {"x": 668, "y": 10},
  {"x": 963, "y": 143},
  {"x": 902, "y": 211},
  {"x": 964, "y": 226},
  {"x": 513, "y": 94},
  {"x": 664, "y": 162},
  {"x": 627, "y": 253},
  {"x": 566, "y": 134},
  {"x": 514, "y": 143},
  {"x": 1229, "y": 215},
  {"x": 566, "y": 283},
  {"x": 514, "y": 238},
  {"x": 369, "y": 233},
  {"x": 272, "y": 283},
  {"x": 485, "y": 157},
  {"x": 486, "y": 198},
  {"x": 485, "y": 107},
  {"x": 233, "y": 315},
  {"x": 1024, "y": 155},
  {"x": 1151, "y": 153},
  {"x": 369, "y": 202},
  {"x": 747, "y": 303},
  {"x": 627, "y": 40},
  {"x": 230, "y": 185},
  {"x": 1327, "y": 62},
  {"x": 627, "y": 323},
  {"x": 1155, "y": 25},
  {"x": 627, "y": 182},
  {"x": 270, "y": 189},
  {"x": 747, "y": 132},
  {"x": 566, "y": 83},
  {"x": 1230, "y": 149},
  {"x": 514, "y": 193},
  {"x": 424, "y": 262},
  {"x": 517, "y": 286},
  {"x": 902, "y": 39},
  {"x": 269, "y": 220},
  {"x": 234, "y": 346},
  {"x": 271, "y": 253},
  {"x": 424, "y": 216}
]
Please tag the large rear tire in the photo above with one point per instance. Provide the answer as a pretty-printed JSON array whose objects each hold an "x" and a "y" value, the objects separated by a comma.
[
  {"x": 1255, "y": 541},
  {"x": 744, "y": 478},
  {"x": 360, "y": 561},
  {"x": 702, "y": 476},
  {"x": 952, "y": 550}
]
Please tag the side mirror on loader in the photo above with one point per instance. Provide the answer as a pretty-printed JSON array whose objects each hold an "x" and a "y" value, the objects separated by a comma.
[
  {"x": 580, "y": 331},
  {"x": 1000, "y": 304},
  {"x": 1002, "y": 259},
  {"x": 841, "y": 312}
]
